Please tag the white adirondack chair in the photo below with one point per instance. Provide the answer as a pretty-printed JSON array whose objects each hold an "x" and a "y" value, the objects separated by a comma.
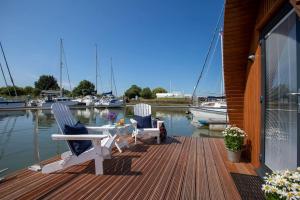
[
  {"x": 145, "y": 110},
  {"x": 102, "y": 144}
]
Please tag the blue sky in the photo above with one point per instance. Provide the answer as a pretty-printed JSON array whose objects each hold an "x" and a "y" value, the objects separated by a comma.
[{"x": 151, "y": 42}]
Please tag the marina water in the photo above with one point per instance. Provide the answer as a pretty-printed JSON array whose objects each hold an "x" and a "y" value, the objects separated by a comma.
[{"x": 25, "y": 136}]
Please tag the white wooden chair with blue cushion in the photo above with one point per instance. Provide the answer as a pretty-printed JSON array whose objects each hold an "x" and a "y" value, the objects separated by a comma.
[
  {"x": 143, "y": 123},
  {"x": 83, "y": 146}
]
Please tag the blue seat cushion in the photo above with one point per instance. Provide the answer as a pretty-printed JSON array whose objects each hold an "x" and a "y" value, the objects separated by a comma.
[
  {"x": 143, "y": 122},
  {"x": 77, "y": 146}
]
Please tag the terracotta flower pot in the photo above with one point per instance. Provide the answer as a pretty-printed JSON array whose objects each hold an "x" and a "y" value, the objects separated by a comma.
[{"x": 234, "y": 156}]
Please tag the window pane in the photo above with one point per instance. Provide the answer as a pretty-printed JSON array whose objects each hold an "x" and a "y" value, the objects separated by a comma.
[{"x": 281, "y": 106}]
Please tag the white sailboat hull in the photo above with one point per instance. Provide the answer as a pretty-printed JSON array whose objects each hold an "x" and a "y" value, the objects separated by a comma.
[
  {"x": 49, "y": 104},
  {"x": 209, "y": 115},
  {"x": 8, "y": 105}
]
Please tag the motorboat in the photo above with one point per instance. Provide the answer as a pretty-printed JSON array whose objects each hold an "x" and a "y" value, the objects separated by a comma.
[
  {"x": 9, "y": 104},
  {"x": 89, "y": 100},
  {"x": 109, "y": 100}
]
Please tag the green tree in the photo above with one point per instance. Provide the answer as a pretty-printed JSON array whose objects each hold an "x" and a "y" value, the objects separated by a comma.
[
  {"x": 28, "y": 90},
  {"x": 146, "y": 93},
  {"x": 133, "y": 91},
  {"x": 84, "y": 88},
  {"x": 158, "y": 90},
  {"x": 46, "y": 82},
  {"x": 6, "y": 91},
  {"x": 36, "y": 92}
]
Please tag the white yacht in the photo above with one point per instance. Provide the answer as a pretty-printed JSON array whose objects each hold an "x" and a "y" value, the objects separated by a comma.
[
  {"x": 89, "y": 100},
  {"x": 109, "y": 100},
  {"x": 8, "y": 104}
]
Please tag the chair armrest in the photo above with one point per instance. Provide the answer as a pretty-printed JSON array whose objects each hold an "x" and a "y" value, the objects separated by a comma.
[
  {"x": 133, "y": 121},
  {"x": 78, "y": 137},
  {"x": 159, "y": 123},
  {"x": 96, "y": 128}
]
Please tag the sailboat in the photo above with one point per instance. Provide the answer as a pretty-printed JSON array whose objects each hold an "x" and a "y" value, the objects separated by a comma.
[
  {"x": 215, "y": 111},
  {"x": 4, "y": 103},
  {"x": 50, "y": 95},
  {"x": 108, "y": 99}
]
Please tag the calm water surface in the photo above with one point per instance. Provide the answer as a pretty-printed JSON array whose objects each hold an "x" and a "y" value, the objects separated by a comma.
[{"x": 25, "y": 136}]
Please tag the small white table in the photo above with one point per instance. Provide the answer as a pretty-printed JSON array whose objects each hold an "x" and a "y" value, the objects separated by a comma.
[{"x": 120, "y": 130}]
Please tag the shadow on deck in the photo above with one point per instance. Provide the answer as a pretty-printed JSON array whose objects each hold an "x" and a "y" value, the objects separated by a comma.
[{"x": 181, "y": 168}]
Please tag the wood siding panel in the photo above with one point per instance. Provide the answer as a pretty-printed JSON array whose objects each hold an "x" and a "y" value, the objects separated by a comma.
[
  {"x": 242, "y": 25},
  {"x": 252, "y": 108}
]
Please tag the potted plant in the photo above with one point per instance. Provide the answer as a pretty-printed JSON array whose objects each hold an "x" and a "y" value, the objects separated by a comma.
[
  {"x": 234, "y": 140},
  {"x": 282, "y": 185}
]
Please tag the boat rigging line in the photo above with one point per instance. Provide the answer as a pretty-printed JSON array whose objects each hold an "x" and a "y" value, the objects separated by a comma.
[
  {"x": 67, "y": 68},
  {"x": 209, "y": 51},
  {"x": 5, "y": 79},
  {"x": 96, "y": 68},
  {"x": 64, "y": 58},
  {"x": 11, "y": 79},
  {"x": 112, "y": 78}
]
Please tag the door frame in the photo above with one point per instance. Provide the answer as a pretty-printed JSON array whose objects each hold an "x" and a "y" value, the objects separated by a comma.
[{"x": 286, "y": 9}]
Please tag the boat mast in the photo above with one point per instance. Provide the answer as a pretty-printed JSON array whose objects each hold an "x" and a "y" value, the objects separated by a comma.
[
  {"x": 5, "y": 79},
  {"x": 61, "y": 66},
  {"x": 11, "y": 79},
  {"x": 111, "y": 75},
  {"x": 112, "y": 81},
  {"x": 96, "y": 68},
  {"x": 208, "y": 52},
  {"x": 222, "y": 63}
]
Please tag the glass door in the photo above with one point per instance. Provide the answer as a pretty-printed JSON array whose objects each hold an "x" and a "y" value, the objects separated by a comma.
[{"x": 281, "y": 95}]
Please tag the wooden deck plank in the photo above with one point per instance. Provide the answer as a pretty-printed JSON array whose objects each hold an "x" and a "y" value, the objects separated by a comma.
[
  {"x": 182, "y": 168},
  {"x": 122, "y": 182},
  {"x": 175, "y": 185},
  {"x": 161, "y": 186},
  {"x": 202, "y": 190},
  {"x": 214, "y": 184},
  {"x": 139, "y": 190},
  {"x": 229, "y": 189},
  {"x": 188, "y": 187}
]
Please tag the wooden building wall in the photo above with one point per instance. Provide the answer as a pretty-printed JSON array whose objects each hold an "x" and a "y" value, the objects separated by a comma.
[{"x": 242, "y": 25}]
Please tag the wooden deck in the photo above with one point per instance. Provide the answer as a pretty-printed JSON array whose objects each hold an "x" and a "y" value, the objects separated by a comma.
[{"x": 183, "y": 168}]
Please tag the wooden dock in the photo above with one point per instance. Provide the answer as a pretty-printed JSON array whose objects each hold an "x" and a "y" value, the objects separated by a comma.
[{"x": 182, "y": 168}]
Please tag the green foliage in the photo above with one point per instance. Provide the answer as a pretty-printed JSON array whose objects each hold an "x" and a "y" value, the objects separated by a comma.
[
  {"x": 28, "y": 90},
  {"x": 6, "y": 91},
  {"x": 271, "y": 196},
  {"x": 158, "y": 90},
  {"x": 133, "y": 91},
  {"x": 146, "y": 93},
  {"x": 234, "y": 138},
  {"x": 36, "y": 92},
  {"x": 234, "y": 143},
  {"x": 46, "y": 82},
  {"x": 85, "y": 87}
]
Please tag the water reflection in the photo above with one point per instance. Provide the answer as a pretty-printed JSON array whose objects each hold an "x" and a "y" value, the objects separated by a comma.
[{"x": 25, "y": 136}]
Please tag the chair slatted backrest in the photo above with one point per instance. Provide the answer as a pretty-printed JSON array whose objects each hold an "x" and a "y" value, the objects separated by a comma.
[
  {"x": 142, "y": 109},
  {"x": 63, "y": 116}
]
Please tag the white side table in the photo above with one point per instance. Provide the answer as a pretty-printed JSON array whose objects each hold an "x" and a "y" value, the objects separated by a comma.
[{"x": 120, "y": 130}]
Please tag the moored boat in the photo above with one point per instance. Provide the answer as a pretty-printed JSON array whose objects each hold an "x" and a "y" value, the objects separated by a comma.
[
  {"x": 210, "y": 113},
  {"x": 9, "y": 104}
]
